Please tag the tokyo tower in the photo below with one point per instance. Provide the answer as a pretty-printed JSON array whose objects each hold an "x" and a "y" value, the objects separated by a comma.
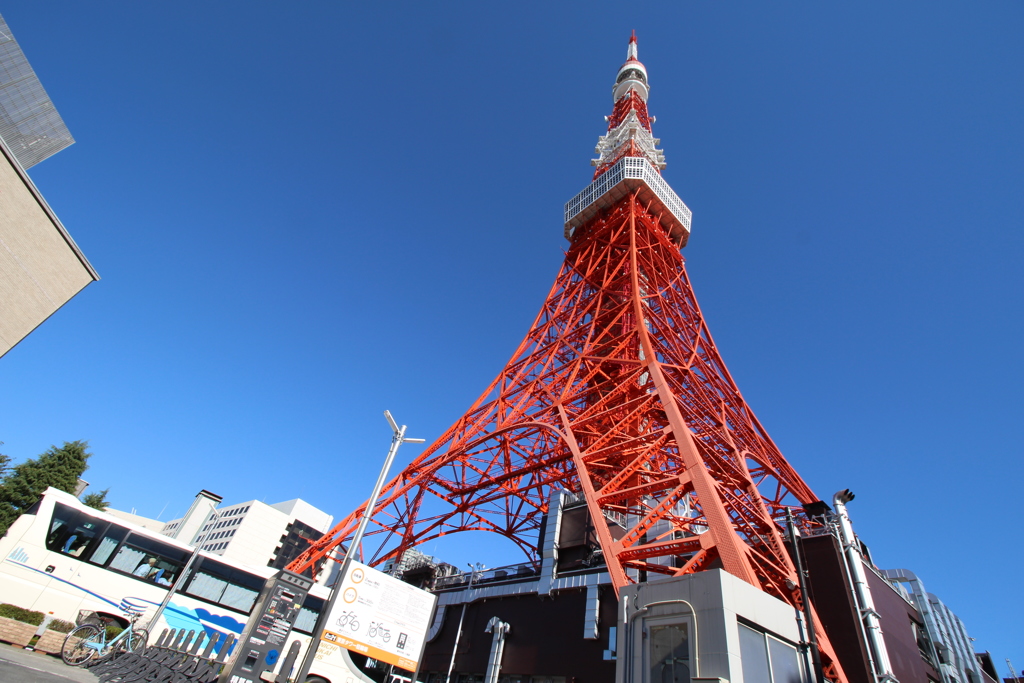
[{"x": 617, "y": 394}]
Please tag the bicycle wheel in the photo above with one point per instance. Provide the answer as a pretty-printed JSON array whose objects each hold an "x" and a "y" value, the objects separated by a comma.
[
  {"x": 136, "y": 641},
  {"x": 81, "y": 644}
]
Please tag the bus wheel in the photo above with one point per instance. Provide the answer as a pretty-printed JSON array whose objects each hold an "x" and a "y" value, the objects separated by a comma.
[{"x": 315, "y": 679}]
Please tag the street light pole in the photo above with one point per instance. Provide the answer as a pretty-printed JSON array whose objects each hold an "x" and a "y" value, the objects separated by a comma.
[
  {"x": 397, "y": 439},
  {"x": 182, "y": 577}
]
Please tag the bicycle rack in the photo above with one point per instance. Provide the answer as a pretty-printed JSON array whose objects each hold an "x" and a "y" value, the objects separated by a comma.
[{"x": 178, "y": 657}]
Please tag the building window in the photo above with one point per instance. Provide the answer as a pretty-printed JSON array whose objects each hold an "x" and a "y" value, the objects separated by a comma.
[
  {"x": 669, "y": 654},
  {"x": 766, "y": 659}
]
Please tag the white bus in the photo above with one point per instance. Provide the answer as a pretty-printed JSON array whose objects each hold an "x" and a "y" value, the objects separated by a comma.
[{"x": 66, "y": 558}]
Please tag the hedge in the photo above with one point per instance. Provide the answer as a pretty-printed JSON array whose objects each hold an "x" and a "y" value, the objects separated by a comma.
[
  {"x": 21, "y": 614},
  {"x": 61, "y": 626},
  {"x": 32, "y": 617}
]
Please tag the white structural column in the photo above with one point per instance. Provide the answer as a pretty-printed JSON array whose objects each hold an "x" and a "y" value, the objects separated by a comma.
[
  {"x": 549, "y": 548},
  {"x": 877, "y": 652},
  {"x": 591, "y": 619},
  {"x": 499, "y": 629}
]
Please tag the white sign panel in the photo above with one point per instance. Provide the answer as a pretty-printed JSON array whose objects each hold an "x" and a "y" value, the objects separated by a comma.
[{"x": 378, "y": 616}]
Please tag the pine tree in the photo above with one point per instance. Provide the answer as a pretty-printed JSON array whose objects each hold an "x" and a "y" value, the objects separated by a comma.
[
  {"x": 57, "y": 467},
  {"x": 97, "y": 500}
]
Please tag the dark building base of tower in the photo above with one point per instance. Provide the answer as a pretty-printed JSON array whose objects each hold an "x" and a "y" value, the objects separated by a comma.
[{"x": 545, "y": 644}]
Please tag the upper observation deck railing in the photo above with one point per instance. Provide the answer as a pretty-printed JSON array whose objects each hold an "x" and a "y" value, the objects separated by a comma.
[{"x": 626, "y": 175}]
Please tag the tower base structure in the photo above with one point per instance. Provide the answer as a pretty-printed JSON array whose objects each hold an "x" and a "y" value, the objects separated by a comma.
[{"x": 708, "y": 626}]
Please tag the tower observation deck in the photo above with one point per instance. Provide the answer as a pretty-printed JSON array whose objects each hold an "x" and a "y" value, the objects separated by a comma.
[
  {"x": 617, "y": 395},
  {"x": 628, "y": 161}
]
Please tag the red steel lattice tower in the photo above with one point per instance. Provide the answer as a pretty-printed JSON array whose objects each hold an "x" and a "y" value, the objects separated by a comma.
[{"x": 618, "y": 394}]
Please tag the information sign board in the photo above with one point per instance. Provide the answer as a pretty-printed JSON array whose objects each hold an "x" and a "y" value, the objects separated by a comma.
[{"x": 378, "y": 616}]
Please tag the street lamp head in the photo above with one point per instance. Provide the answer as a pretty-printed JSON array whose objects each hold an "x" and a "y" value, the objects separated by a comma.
[
  {"x": 391, "y": 421},
  {"x": 414, "y": 440}
]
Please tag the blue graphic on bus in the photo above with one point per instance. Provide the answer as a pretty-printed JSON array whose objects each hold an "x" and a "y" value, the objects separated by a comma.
[{"x": 215, "y": 625}]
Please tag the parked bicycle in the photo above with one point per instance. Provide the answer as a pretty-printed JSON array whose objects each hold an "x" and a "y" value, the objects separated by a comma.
[{"x": 88, "y": 641}]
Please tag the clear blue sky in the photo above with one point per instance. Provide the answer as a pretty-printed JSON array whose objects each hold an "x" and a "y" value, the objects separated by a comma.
[{"x": 305, "y": 213}]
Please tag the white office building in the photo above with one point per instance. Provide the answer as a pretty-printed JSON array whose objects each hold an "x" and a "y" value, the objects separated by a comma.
[{"x": 252, "y": 532}]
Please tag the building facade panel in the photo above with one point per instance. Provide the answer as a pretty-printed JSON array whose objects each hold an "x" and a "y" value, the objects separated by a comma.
[
  {"x": 902, "y": 625},
  {"x": 41, "y": 268},
  {"x": 545, "y": 639}
]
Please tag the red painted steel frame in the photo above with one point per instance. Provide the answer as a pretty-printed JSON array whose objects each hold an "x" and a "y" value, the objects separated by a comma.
[{"x": 619, "y": 393}]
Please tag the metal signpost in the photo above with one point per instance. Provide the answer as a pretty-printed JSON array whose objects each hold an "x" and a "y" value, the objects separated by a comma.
[{"x": 320, "y": 633}]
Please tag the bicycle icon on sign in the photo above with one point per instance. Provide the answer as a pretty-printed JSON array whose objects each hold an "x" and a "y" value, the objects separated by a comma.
[
  {"x": 348, "y": 619},
  {"x": 377, "y": 629}
]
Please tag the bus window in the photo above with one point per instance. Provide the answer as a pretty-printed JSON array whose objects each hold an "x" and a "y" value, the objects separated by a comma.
[
  {"x": 62, "y": 518},
  {"x": 225, "y": 585},
  {"x": 71, "y": 531},
  {"x": 149, "y": 559},
  {"x": 305, "y": 622},
  {"x": 108, "y": 543}
]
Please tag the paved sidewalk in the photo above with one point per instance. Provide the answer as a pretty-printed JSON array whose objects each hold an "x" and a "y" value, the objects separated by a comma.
[{"x": 23, "y": 666}]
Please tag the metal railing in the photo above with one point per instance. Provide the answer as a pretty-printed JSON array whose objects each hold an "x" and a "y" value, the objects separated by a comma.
[
  {"x": 636, "y": 168},
  {"x": 514, "y": 572}
]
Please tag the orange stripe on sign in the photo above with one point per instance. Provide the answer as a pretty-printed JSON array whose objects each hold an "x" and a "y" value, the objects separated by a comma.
[{"x": 369, "y": 650}]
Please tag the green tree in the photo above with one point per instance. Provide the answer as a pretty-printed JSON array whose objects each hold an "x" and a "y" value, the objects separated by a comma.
[
  {"x": 97, "y": 500},
  {"x": 57, "y": 467},
  {"x": 5, "y": 462}
]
